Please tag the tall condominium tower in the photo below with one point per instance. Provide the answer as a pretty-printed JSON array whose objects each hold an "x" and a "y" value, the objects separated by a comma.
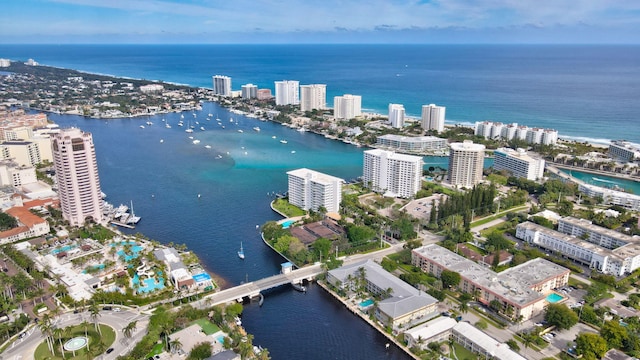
[
  {"x": 347, "y": 106},
  {"x": 74, "y": 158},
  {"x": 518, "y": 163},
  {"x": 433, "y": 117},
  {"x": 395, "y": 174},
  {"x": 310, "y": 189},
  {"x": 222, "y": 85},
  {"x": 287, "y": 92},
  {"x": 249, "y": 91},
  {"x": 396, "y": 115},
  {"x": 313, "y": 96},
  {"x": 466, "y": 161}
]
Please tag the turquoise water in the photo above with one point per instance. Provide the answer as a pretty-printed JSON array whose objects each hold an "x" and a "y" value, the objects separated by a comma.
[
  {"x": 287, "y": 224},
  {"x": 220, "y": 339},
  {"x": 134, "y": 249},
  {"x": 606, "y": 181},
  {"x": 554, "y": 298},
  {"x": 63, "y": 249},
  {"x": 366, "y": 303},
  {"x": 149, "y": 284}
]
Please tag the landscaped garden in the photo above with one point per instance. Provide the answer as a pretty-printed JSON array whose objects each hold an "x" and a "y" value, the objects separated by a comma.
[{"x": 73, "y": 339}]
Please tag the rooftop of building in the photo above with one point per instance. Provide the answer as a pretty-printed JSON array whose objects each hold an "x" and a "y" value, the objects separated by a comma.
[
  {"x": 314, "y": 175},
  {"x": 518, "y": 153},
  {"x": 410, "y": 138},
  {"x": 587, "y": 224},
  {"x": 26, "y": 217},
  {"x": 609, "y": 192},
  {"x": 393, "y": 155},
  {"x": 466, "y": 145},
  {"x": 514, "y": 284}
]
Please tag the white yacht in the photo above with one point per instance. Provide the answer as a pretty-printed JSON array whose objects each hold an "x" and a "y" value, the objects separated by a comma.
[
  {"x": 240, "y": 131},
  {"x": 283, "y": 141},
  {"x": 196, "y": 141},
  {"x": 257, "y": 128}
]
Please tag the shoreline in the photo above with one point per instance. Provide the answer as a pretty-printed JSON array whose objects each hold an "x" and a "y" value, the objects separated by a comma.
[
  {"x": 597, "y": 172},
  {"x": 370, "y": 112}
]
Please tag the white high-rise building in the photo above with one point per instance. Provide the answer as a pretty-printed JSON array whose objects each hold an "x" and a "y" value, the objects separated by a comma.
[
  {"x": 466, "y": 161},
  {"x": 25, "y": 153},
  {"x": 222, "y": 85},
  {"x": 398, "y": 175},
  {"x": 433, "y": 117},
  {"x": 309, "y": 189},
  {"x": 518, "y": 163},
  {"x": 347, "y": 106},
  {"x": 313, "y": 96},
  {"x": 249, "y": 91},
  {"x": 287, "y": 92},
  {"x": 396, "y": 115},
  {"x": 76, "y": 167}
]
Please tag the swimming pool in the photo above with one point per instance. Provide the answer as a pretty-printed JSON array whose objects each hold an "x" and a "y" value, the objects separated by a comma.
[
  {"x": 63, "y": 249},
  {"x": 220, "y": 339},
  {"x": 134, "y": 249},
  {"x": 366, "y": 303},
  {"x": 287, "y": 224},
  {"x": 148, "y": 285},
  {"x": 554, "y": 298}
]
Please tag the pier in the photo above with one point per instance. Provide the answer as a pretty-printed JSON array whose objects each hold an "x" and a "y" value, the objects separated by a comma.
[{"x": 122, "y": 224}]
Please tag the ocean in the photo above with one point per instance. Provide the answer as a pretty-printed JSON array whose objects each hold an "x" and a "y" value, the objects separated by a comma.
[
  {"x": 212, "y": 199},
  {"x": 586, "y": 92}
]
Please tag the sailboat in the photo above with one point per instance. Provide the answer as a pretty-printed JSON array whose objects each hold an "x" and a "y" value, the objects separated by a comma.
[
  {"x": 133, "y": 219},
  {"x": 241, "y": 252}
]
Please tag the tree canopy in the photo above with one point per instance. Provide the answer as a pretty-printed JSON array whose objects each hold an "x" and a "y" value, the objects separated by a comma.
[
  {"x": 560, "y": 316},
  {"x": 450, "y": 278},
  {"x": 591, "y": 346}
]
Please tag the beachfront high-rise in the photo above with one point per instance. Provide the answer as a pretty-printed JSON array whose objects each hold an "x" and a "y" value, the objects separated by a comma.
[
  {"x": 309, "y": 189},
  {"x": 396, "y": 115},
  {"x": 313, "y": 96},
  {"x": 433, "y": 117},
  {"x": 394, "y": 174},
  {"x": 518, "y": 163},
  {"x": 466, "y": 161},
  {"x": 74, "y": 158},
  {"x": 287, "y": 92},
  {"x": 249, "y": 91},
  {"x": 347, "y": 106},
  {"x": 222, "y": 85}
]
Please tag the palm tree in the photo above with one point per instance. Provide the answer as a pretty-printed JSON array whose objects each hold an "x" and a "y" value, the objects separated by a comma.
[
  {"x": 129, "y": 329},
  {"x": 85, "y": 325},
  {"x": 58, "y": 332},
  {"x": 45, "y": 328},
  {"x": 67, "y": 333},
  {"x": 175, "y": 345},
  {"x": 94, "y": 311},
  {"x": 526, "y": 340}
]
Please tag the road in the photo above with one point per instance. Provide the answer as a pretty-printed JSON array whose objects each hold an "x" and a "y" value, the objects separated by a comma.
[{"x": 23, "y": 349}]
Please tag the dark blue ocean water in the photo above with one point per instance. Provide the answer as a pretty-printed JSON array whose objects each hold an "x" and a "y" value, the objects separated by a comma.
[{"x": 584, "y": 91}]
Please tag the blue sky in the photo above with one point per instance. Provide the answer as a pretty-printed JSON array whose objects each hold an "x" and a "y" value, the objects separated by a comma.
[{"x": 320, "y": 21}]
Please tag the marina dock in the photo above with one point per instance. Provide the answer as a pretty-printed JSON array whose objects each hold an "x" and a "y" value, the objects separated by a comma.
[{"x": 128, "y": 226}]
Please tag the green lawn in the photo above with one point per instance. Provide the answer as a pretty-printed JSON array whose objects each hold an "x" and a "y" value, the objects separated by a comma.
[
  {"x": 289, "y": 210},
  {"x": 207, "y": 326},
  {"x": 107, "y": 338},
  {"x": 462, "y": 353}
]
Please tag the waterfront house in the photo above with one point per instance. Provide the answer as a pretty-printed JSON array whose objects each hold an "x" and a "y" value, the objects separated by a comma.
[{"x": 401, "y": 304}]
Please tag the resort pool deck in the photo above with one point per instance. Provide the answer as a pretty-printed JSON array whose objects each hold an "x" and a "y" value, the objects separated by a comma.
[
  {"x": 148, "y": 285},
  {"x": 287, "y": 224},
  {"x": 134, "y": 249},
  {"x": 554, "y": 298},
  {"x": 63, "y": 249}
]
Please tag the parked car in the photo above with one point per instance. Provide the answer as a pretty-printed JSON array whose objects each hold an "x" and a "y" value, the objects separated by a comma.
[
  {"x": 109, "y": 350},
  {"x": 107, "y": 307}
]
